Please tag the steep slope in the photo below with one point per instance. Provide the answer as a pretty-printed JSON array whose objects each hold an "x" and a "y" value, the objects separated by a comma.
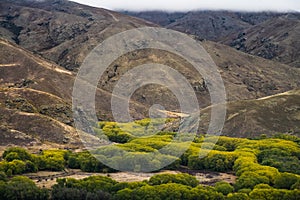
[
  {"x": 244, "y": 76},
  {"x": 21, "y": 69},
  {"x": 60, "y": 30},
  {"x": 251, "y": 77},
  {"x": 269, "y": 35},
  {"x": 35, "y": 100},
  {"x": 276, "y": 39}
]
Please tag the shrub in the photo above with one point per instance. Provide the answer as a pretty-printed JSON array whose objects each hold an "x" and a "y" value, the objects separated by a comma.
[
  {"x": 16, "y": 153},
  {"x": 224, "y": 187},
  {"x": 285, "y": 181},
  {"x": 184, "y": 179}
]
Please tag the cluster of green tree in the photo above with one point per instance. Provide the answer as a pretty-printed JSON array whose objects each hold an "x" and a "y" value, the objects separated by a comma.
[
  {"x": 262, "y": 165},
  {"x": 18, "y": 161},
  {"x": 257, "y": 161},
  {"x": 21, "y": 188},
  {"x": 86, "y": 162},
  {"x": 283, "y": 158},
  {"x": 124, "y": 132},
  {"x": 161, "y": 187}
]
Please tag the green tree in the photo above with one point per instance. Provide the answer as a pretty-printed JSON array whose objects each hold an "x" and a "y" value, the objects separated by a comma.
[
  {"x": 237, "y": 196},
  {"x": 18, "y": 153},
  {"x": 224, "y": 187},
  {"x": 24, "y": 189},
  {"x": 184, "y": 179},
  {"x": 285, "y": 181}
]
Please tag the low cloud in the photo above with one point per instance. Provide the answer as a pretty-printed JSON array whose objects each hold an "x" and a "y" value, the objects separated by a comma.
[{"x": 188, "y": 5}]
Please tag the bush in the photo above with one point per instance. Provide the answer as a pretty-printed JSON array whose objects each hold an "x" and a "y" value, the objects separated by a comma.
[
  {"x": 183, "y": 179},
  {"x": 250, "y": 179},
  {"x": 16, "y": 153},
  {"x": 224, "y": 188},
  {"x": 237, "y": 196},
  {"x": 22, "y": 188},
  {"x": 285, "y": 181},
  {"x": 74, "y": 193}
]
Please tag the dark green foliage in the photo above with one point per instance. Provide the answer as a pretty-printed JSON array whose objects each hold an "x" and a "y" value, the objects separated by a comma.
[
  {"x": 16, "y": 153},
  {"x": 238, "y": 196},
  {"x": 114, "y": 133},
  {"x": 90, "y": 184},
  {"x": 174, "y": 191},
  {"x": 128, "y": 185},
  {"x": 219, "y": 162},
  {"x": 123, "y": 194},
  {"x": 183, "y": 179},
  {"x": 250, "y": 179},
  {"x": 63, "y": 193},
  {"x": 296, "y": 186},
  {"x": 224, "y": 188},
  {"x": 274, "y": 194},
  {"x": 229, "y": 143},
  {"x": 3, "y": 176},
  {"x": 286, "y": 181},
  {"x": 22, "y": 188},
  {"x": 282, "y": 159}
]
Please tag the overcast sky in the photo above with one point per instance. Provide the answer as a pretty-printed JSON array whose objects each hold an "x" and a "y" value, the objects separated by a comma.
[{"x": 187, "y": 5}]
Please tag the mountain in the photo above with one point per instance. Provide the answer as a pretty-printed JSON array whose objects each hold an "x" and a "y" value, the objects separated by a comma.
[
  {"x": 32, "y": 99},
  {"x": 59, "y": 30},
  {"x": 36, "y": 99},
  {"x": 43, "y": 43},
  {"x": 269, "y": 35},
  {"x": 276, "y": 39},
  {"x": 209, "y": 25}
]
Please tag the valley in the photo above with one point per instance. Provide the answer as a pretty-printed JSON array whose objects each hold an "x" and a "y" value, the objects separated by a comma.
[{"x": 44, "y": 155}]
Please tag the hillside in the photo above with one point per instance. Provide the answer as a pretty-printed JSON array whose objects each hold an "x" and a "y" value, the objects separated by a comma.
[
  {"x": 276, "y": 39},
  {"x": 60, "y": 30},
  {"x": 35, "y": 99},
  {"x": 209, "y": 25},
  {"x": 271, "y": 115},
  {"x": 36, "y": 63},
  {"x": 250, "y": 118},
  {"x": 268, "y": 35}
]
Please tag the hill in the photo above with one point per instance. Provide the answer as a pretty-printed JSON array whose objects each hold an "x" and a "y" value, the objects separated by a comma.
[
  {"x": 269, "y": 35},
  {"x": 275, "y": 114},
  {"x": 61, "y": 31},
  {"x": 276, "y": 39},
  {"x": 36, "y": 77},
  {"x": 209, "y": 25},
  {"x": 35, "y": 99}
]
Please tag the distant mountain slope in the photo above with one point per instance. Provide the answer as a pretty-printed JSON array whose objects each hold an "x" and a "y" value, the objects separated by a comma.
[
  {"x": 277, "y": 39},
  {"x": 251, "y": 75},
  {"x": 269, "y": 35},
  {"x": 209, "y": 25}
]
